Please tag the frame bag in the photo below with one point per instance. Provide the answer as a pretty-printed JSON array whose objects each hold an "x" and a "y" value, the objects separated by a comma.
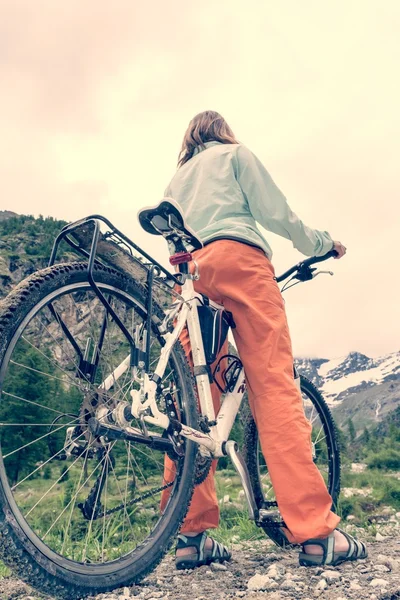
[{"x": 214, "y": 324}]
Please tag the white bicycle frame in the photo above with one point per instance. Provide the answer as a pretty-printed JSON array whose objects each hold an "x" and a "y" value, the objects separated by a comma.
[
  {"x": 144, "y": 401},
  {"x": 185, "y": 312}
]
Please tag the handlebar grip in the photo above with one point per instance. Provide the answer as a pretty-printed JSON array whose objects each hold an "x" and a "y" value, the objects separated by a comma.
[
  {"x": 306, "y": 263},
  {"x": 316, "y": 259}
]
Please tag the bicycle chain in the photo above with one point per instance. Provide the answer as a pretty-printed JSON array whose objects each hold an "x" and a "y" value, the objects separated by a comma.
[{"x": 111, "y": 511}]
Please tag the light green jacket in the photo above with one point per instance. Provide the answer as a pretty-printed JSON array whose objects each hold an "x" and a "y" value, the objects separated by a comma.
[{"x": 224, "y": 190}]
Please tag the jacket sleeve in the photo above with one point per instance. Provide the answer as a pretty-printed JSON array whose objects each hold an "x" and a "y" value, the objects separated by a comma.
[{"x": 270, "y": 209}]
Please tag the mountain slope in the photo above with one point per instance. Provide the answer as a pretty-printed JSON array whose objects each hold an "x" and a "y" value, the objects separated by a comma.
[
  {"x": 25, "y": 246},
  {"x": 356, "y": 386}
]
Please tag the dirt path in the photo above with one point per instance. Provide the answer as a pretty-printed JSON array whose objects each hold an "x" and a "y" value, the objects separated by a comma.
[{"x": 260, "y": 571}]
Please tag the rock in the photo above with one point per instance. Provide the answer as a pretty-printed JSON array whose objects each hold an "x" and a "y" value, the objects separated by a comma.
[
  {"x": 378, "y": 583},
  {"x": 293, "y": 577},
  {"x": 218, "y": 567},
  {"x": 226, "y": 499},
  {"x": 390, "y": 563},
  {"x": 394, "y": 564},
  {"x": 330, "y": 575},
  {"x": 358, "y": 467},
  {"x": 241, "y": 494},
  {"x": 350, "y": 518},
  {"x": 388, "y": 510},
  {"x": 271, "y": 557},
  {"x": 380, "y": 538},
  {"x": 381, "y": 559},
  {"x": 321, "y": 585},
  {"x": 381, "y": 568},
  {"x": 228, "y": 481},
  {"x": 261, "y": 582},
  {"x": 288, "y": 585},
  {"x": 349, "y": 492},
  {"x": 354, "y": 586},
  {"x": 275, "y": 572}
]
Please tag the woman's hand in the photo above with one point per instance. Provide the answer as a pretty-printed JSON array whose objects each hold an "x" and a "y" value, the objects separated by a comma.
[{"x": 340, "y": 249}]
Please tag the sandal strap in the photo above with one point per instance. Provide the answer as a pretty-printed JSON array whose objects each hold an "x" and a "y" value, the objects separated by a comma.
[
  {"x": 356, "y": 548},
  {"x": 219, "y": 550},
  {"x": 327, "y": 545},
  {"x": 196, "y": 541}
]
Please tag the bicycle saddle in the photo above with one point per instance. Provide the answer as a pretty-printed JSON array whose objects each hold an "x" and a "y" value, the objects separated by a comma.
[{"x": 167, "y": 219}]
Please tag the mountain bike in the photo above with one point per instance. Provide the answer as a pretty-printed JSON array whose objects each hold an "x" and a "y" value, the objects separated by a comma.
[{"x": 96, "y": 391}]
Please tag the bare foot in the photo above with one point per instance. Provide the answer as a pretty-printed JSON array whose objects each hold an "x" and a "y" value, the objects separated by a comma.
[{"x": 341, "y": 545}]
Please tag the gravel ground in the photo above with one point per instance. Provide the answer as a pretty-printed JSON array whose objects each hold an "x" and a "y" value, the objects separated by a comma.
[{"x": 260, "y": 571}]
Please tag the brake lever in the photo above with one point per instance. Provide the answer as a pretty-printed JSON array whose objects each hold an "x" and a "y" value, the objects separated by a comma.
[{"x": 322, "y": 273}]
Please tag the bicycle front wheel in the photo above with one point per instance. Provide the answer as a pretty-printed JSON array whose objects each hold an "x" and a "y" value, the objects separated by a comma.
[
  {"x": 80, "y": 514},
  {"x": 325, "y": 452}
]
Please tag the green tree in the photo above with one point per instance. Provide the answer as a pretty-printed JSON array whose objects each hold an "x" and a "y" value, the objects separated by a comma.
[
  {"x": 365, "y": 436},
  {"x": 351, "y": 430},
  {"x": 31, "y": 399}
]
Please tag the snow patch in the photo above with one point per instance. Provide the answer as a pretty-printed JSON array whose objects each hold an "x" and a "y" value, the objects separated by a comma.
[
  {"x": 331, "y": 365},
  {"x": 376, "y": 374}
]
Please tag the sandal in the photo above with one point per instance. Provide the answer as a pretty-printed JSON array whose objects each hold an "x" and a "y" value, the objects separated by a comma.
[
  {"x": 201, "y": 556},
  {"x": 355, "y": 551}
]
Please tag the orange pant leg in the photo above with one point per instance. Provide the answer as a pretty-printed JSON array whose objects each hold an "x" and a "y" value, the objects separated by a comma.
[
  {"x": 204, "y": 510},
  {"x": 242, "y": 278}
]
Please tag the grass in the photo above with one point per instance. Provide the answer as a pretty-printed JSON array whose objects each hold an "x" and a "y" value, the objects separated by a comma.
[
  {"x": 235, "y": 524},
  {"x": 4, "y": 571},
  {"x": 383, "y": 490}
]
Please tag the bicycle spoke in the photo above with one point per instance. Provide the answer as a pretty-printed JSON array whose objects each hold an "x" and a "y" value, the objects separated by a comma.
[
  {"x": 14, "y": 487},
  {"x": 12, "y": 362},
  {"x": 121, "y": 496},
  {"x": 63, "y": 414},
  {"x": 42, "y": 437},
  {"x": 104, "y": 517},
  {"x": 95, "y": 503},
  {"x": 50, "y": 488},
  {"x": 74, "y": 498}
]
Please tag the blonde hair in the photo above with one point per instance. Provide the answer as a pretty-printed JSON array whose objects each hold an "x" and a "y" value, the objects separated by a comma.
[{"x": 205, "y": 127}]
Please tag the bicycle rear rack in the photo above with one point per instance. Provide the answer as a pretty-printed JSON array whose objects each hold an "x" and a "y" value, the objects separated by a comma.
[{"x": 153, "y": 271}]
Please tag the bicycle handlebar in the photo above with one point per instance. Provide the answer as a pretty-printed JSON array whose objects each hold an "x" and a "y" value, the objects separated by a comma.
[{"x": 303, "y": 267}]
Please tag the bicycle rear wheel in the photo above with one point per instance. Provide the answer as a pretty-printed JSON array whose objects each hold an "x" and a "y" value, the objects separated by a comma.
[
  {"x": 326, "y": 456},
  {"x": 80, "y": 514}
]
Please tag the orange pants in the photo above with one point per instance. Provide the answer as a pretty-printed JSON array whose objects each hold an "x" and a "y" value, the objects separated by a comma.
[{"x": 241, "y": 278}]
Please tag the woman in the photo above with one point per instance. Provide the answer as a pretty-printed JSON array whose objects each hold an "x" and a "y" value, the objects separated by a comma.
[{"x": 223, "y": 190}]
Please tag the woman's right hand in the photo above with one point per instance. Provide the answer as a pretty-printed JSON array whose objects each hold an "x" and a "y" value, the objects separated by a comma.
[{"x": 340, "y": 249}]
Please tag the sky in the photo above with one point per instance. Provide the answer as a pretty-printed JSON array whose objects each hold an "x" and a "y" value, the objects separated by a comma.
[{"x": 96, "y": 96}]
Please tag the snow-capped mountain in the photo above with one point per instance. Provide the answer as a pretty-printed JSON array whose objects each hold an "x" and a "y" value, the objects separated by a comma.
[
  {"x": 355, "y": 385},
  {"x": 340, "y": 377}
]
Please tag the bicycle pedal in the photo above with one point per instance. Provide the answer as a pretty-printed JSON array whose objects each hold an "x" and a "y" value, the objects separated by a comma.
[{"x": 268, "y": 515}]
